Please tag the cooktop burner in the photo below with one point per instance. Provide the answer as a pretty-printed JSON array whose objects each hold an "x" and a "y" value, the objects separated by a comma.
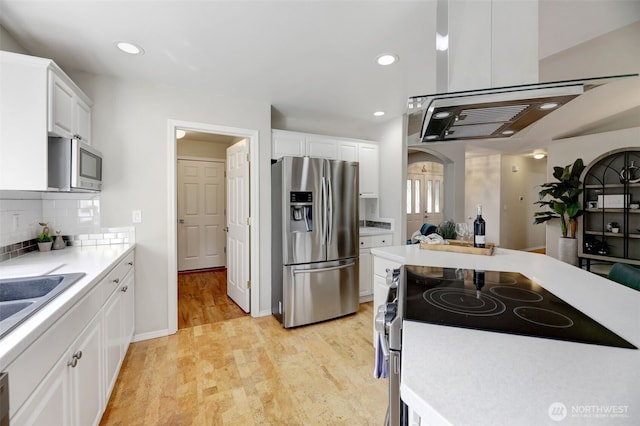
[{"x": 506, "y": 302}]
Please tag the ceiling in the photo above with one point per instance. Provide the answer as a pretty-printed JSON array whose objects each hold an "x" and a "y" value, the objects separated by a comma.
[{"x": 311, "y": 60}]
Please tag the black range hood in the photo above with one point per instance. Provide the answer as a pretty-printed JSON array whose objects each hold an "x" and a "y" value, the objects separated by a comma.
[{"x": 494, "y": 113}]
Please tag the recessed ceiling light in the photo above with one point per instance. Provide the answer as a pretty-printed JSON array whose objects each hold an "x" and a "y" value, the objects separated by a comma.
[
  {"x": 386, "y": 59},
  {"x": 431, "y": 137},
  {"x": 180, "y": 134},
  {"x": 508, "y": 132},
  {"x": 129, "y": 48},
  {"x": 548, "y": 105},
  {"x": 441, "y": 114},
  {"x": 378, "y": 113}
]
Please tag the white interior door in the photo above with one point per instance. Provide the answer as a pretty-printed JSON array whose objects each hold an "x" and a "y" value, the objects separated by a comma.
[
  {"x": 238, "y": 288},
  {"x": 201, "y": 218}
]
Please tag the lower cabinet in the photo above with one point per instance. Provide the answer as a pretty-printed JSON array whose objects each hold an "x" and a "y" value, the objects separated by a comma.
[
  {"x": 75, "y": 389},
  {"x": 72, "y": 392},
  {"x": 366, "y": 243},
  {"x": 118, "y": 328}
]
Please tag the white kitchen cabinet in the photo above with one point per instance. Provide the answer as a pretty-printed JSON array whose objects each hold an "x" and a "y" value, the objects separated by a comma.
[
  {"x": 66, "y": 375},
  {"x": 367, "y": 154},
  {"x": 287, "y": 144},
  {"x": 321, "y": 147},
  {"x": 369, "y": 159},
  {"x": 365, "y": 272},
  {"x": 347, "y": 151},
  {"x": 38, "y": 100},
  {"x": 118, "y": 325},
  {"x": 71, "y": 394},
  {"x": 69, "y": 112}
]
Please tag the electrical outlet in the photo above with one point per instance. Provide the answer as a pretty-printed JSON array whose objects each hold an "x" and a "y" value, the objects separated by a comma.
[{"x": 136, "y": 216}]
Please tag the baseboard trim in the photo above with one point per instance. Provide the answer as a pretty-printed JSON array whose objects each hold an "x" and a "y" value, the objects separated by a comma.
[{"x": 150, "y": 335}]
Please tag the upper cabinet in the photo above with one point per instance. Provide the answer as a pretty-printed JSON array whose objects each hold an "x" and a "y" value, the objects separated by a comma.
[
  {"x": 38, "y": 100},
  {"x": 69, "y": 113},
  {"x": 285, "y": 143}
]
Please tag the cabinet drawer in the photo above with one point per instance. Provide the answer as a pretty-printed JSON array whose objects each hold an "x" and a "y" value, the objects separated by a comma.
[
  {"x": 381, "y": 265},
  {"x": 116, "y": 277},
  {"x": 366, "y": 242},
  {"x": 381, "y": 240}
]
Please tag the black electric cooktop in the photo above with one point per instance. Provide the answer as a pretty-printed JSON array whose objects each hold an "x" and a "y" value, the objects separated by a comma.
[{"x": 506, "y": 302}]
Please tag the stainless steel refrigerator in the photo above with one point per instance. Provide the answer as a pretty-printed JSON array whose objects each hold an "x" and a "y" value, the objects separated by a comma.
[{"x": 315, "y": 239}]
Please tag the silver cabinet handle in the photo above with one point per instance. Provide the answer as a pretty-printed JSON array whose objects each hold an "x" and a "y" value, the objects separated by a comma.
[
  {"x": 124, "y": 289},
  {"x": 130, "y": 263},
  {"x": 74, "y": 359},
  {"x": 117, "y": 280}
]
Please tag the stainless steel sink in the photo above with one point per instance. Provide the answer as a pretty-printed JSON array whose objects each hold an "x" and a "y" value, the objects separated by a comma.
[{"x": 22, "y": 297}]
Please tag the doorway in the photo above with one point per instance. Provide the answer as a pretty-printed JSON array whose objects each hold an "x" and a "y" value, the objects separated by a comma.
[
  {"x": 425, "y": 194},
  {"x": 225, "y": 137}
]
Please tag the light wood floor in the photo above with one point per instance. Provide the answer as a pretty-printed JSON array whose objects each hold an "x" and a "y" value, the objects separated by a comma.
[
  {"x": 202, "y": 298},
  {"x": 251, "y": 371}
]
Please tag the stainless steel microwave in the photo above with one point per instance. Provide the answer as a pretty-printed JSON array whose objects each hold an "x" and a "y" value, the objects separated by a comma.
[{"x": 74, "y": 166}]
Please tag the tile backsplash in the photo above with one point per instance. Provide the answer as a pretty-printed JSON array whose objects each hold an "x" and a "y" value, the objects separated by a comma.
[{"x": 70, "y": 213}]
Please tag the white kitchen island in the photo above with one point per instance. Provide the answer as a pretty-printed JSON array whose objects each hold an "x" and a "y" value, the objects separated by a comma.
[{"x": 462, "y": 376}]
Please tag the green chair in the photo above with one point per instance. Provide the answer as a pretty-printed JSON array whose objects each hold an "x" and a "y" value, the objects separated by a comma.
[{"x": 625, "y": 275}]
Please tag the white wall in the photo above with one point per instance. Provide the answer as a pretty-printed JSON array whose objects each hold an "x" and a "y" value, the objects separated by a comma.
[
  {"x": 518, "y": 192},
  {"x": 130, "y": 128},
  {"x": 202, "y": 149},
  {"x": 483, "y": 175}
]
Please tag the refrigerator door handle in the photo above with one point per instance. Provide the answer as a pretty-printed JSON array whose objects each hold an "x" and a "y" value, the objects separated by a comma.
[
  {"x": 313, "y": 271},
  {"x": 324, "y": 211},
  {"x": 330, "y": 212}
]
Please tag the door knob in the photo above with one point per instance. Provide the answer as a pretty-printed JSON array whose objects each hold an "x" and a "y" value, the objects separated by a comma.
[
  {"x": 181, "y": 221},
  {"x": 225, "y": 229}
]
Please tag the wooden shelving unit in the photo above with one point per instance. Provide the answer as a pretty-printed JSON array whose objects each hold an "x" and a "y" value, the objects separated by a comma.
[{"x": 604, "y": 184}]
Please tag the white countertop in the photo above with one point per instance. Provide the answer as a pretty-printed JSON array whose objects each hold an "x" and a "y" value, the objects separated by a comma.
[
  {"x": 94, "y": 261},
  {"x": 471, "y": 377},
  {"x": 374, "y": 231}
]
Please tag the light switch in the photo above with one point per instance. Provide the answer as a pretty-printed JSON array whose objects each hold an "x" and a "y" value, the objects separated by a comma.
[{"x": 136, "y": 216}]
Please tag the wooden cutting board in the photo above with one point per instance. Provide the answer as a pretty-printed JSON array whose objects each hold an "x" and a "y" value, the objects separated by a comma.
[{"x": 457, "y": 246}]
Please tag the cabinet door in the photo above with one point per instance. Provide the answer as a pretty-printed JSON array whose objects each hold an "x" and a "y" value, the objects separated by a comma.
[
  {"x": 348, "y": 151},
  {"x": 366, "y": 284},
  {"x": 369, "y": 159},
  {"x": 87, "y": 376},
  {"x": 319, "y": 147},
  {"x": 128, "y": 311},
  {"x": 61, "y": 107},
  {"x": 113, "y": 320},
  {"x": 287, "y": 144},
  {"x": 50, "y": 403},
  {"x": 82, "y": 126}
]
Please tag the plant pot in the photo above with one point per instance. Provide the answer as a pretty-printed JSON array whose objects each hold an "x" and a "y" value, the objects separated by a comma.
[
  {"x": 568, "y": 250},
  {"x": 45, "y": 246},
  {"x": 615, "y": 230}
]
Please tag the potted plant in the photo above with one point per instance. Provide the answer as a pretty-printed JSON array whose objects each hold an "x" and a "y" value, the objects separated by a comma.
[
  {"x": 562, "y": 200},
  {"x": 613, "y": 227},
  {"x": 44, "y": 238}
]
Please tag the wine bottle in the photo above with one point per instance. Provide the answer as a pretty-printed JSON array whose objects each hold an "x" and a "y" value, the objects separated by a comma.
[{"x": 479, "y": 229}]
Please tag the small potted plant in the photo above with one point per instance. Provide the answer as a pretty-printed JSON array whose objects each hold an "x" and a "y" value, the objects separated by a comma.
[
  {"x": 44, "y": 238},
  {"x": 613, "y": 227}
]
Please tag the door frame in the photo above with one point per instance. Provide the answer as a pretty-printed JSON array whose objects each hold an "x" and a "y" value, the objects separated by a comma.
[{"x": 172, "y": 268}]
